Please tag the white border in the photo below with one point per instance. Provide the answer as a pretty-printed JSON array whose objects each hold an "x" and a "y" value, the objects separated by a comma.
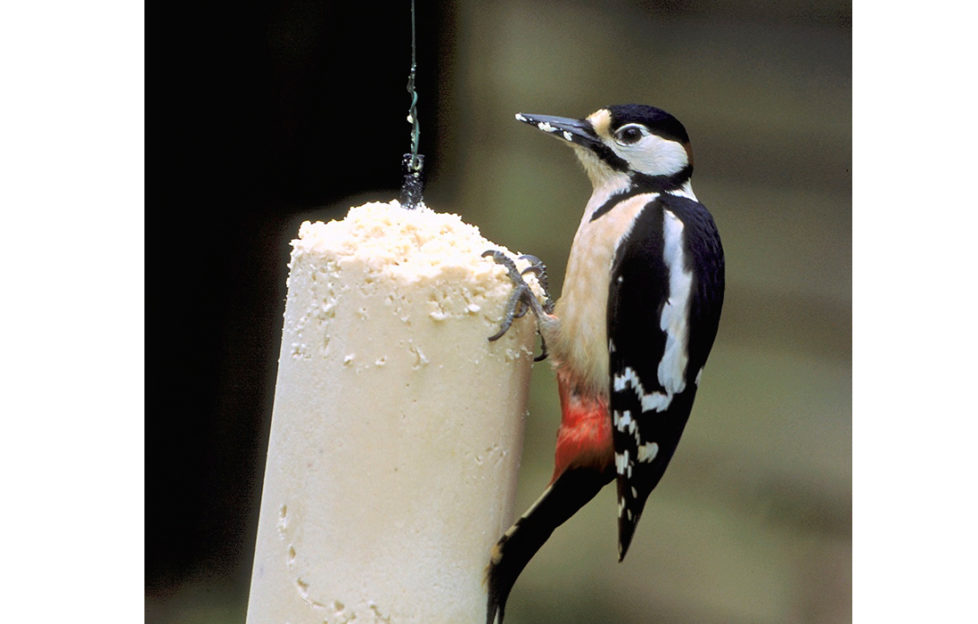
[
  {"x": 915, "y": 315},
  {"x": 71, "y": 330}
]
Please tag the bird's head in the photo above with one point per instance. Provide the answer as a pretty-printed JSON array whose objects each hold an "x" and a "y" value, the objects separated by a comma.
[{"x": 629, "y": 143}]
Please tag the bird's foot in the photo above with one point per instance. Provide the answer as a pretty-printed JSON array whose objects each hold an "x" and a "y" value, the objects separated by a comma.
[
  {"x": 522, "y": 298},
  {"x": 539, "y": 269}
]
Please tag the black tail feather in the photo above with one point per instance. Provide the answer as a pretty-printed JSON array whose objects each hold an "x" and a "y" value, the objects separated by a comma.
[{"x": 574, "y": 488}]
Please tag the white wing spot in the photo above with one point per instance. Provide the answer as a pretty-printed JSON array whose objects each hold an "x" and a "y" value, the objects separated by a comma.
[
  {"x": 568, "y": 136},
  {"x": 546, "y": 127},
  {"x": 651, "y": 401},
  {"x": 624, "y": 421},
  {"x": 622, "y": 465},
  {"x": 698, "y": 375},
  {"x": 648, "y": 451}
]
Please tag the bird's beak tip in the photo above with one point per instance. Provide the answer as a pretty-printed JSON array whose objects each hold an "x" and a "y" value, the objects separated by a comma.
[{"x": 570, "y": 130}]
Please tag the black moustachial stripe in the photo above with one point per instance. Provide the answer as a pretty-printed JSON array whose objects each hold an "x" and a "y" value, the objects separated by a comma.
[{"x": 616, "y": 199}]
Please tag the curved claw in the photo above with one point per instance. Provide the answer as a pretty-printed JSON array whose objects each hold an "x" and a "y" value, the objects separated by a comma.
[
  {"x": 500, "y": 258},
  {"x": 539, "y": 269},
  {"x": 543, "y": 351},
  {"x": 512, "y": 312},
  {"x": 522, "y": 298}
]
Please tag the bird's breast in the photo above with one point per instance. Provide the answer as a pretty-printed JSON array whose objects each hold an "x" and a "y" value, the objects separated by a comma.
[{"x": 581, "y": 344}]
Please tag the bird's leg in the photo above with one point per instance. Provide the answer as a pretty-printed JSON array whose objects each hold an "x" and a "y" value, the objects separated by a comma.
[{"x": 522, "y": 297}]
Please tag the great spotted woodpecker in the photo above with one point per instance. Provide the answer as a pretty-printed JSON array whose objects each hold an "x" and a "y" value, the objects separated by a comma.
[{"x": 631, "y": 331}]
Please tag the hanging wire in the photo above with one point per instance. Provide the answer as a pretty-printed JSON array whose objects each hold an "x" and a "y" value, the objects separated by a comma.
[
  {"x": 412, "y": 163},
  {"x": 413, "y": 111}
]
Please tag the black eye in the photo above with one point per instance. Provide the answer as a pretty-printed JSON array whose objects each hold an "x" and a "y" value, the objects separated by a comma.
[{"x": 629, "y": 134}]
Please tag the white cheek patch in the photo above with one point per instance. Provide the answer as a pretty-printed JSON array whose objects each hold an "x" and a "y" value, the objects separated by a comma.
[{"x": 654, "y": 155}]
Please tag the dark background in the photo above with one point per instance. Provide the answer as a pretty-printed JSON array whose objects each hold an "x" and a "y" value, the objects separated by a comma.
[
  {"x": 257, "y": 113},
  {"x": 261, "y": 115}
]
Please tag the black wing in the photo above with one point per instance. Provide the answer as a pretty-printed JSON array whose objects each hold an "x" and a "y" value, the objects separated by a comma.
[{"x": 665, "y": 297}]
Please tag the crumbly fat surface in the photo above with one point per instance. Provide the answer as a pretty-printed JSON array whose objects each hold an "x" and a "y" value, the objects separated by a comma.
[{"x": 407, "y": 245}]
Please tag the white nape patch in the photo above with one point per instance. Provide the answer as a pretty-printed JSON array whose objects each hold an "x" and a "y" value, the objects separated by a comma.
[
  {"x": 648, "y": 451},
  {"x": 675, "y": 313},
  {"x": 653, "y": 155},
  {"x": 698, "y": 376},
  {"x": 686, "y": 190}
]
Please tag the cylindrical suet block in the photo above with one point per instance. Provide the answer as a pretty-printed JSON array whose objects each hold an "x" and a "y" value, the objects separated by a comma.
[{"x": 397, "y": 426}]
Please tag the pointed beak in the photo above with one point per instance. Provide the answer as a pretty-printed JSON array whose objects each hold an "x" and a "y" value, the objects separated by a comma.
[{"x": 574, "y": 131}]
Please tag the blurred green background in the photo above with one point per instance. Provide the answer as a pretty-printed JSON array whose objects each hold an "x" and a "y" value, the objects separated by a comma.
[{"x": 752, "y": 522}]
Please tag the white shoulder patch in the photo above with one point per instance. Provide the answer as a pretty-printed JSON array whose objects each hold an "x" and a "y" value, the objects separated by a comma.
[
  {"x": 674, "y": 321},
  {"x": 675, "y": 313}
]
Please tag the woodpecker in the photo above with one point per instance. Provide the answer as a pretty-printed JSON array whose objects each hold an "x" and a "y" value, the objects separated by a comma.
[{"x": 631, "y": 332}]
